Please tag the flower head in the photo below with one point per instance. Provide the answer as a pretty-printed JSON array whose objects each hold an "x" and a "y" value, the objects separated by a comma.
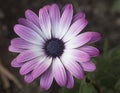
[{"x": 52, "y": 47}]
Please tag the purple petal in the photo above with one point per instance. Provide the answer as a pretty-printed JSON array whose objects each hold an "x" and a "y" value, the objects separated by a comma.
[
  {"x": 59, "y": 72},
  {"x": 31, "y": 25},
  {"x": 30, "y": 15},
  {"x": 28, "y": 78},
  {"x": 28, "y": 55},
  {"x": 65, "y": 20},
  {"x": 88, "y": 66},
  {"x": 92, "y": 51},
  {"x": 30, "y": 65},
  {"x": 14, "y": 49},
  {"x": 22, "y": 44},
  {"x": 73, "y": 67},
  {"x": 46, "y": 79},
  {"x": 43, "y": 66},
  {"x": 55, "y": 17},
  {"x": 95, "y": 37},
  {"x": 14, "y": 63},
  {"x": 70, "y": 81},
  {"x": 75, "y": 29},
  {"x": 28, "y": 24},
  {"x": 77, "y": 55},
  {"x": 45, "y": 22},
  {"x": 28, "y": 34},
  {"x": 79, "y": 40},
  {"x": 79, "y": 16}
]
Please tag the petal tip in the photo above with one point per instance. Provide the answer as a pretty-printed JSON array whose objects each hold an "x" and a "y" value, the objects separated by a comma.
[
  {"x": 44, "y": 88},
  {"x": 99, "y": 35},
  {"x": 96, "y": 36},
  {"x": 28, "y": 79},
  {"x": 69, "y": 6},
  {"x": 21, "y": 72},
  {"x": 20, "y": 20},
  {"x": 16, "y": 27},
  {"x": 69, "y": 87},
  {"x": 15, "y": 64},
  {"x": 54, "y": 4},
  {"x": 12, "y": 64},
  {"x": 9, "y": 48},
  {"x": 28, "y": 11},
  {"x": 82, "y": 14}
]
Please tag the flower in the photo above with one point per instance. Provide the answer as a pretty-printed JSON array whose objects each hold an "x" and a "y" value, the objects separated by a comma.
[{"x": 50, "y": 46}]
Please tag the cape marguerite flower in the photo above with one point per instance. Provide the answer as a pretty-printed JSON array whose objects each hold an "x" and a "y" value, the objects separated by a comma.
[{"x": 52, "y": 47}]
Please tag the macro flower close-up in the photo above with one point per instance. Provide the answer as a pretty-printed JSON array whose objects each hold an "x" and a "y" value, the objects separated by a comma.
[{"x": 52, "y": 46}]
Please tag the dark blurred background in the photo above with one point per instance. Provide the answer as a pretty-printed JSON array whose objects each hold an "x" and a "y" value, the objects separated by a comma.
[{"x": 103, "y": 17}]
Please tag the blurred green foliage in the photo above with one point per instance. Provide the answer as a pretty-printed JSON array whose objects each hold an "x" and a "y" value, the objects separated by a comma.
[{"x": 116, "y": 6}]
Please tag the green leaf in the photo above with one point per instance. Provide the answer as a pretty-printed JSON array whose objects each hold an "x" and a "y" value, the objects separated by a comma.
[
  {"x": 86, "y": 88},
  {"x": 117, "y": 85},
  {"x": 115, "y": 53}
]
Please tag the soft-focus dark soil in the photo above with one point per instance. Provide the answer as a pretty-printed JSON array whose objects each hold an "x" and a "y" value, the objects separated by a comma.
[{"x": 98, "y": 12}]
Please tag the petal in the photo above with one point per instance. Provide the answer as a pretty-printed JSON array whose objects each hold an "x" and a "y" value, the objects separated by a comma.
[
  {"x": 75, "y": 29},
  {"x": 65, "y": 20},
  {"x": 92, "y": 51},
  {"x": 44, "y": 21},
  {"x": 30, "y": 15},
  {"x": 14, "y": 63},
  {"x": 31, "y": 25},
  {"x": 78, "y": 16},
  {"x": 43, "y": 66},
  {"x": 28, "y": 78},
  {"x": 14, "y": 49},
  {"x": 46, "y": 79},
  {"x": 73, "y": 67},
  {"x": 28, "y": 55},
  {"x": 30, "y": 65},
  {"x": 79, "y": 40},
  {"x": 59, "y": 72},
  {"x": 55, "y": 17},
  {"x": 88, "y": 66},
  {"x": 22, "y": 44},
  {"x": 28, "y": 34},
  {"x": 77, "y": 55},
  {"x": 95, "y": 37},
  {"x": 27, "y": 67},
  {"x": 70, "y": 81},
  {"x": 28, "y": 24}
]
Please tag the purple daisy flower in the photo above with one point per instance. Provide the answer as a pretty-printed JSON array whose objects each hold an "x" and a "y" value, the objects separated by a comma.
[{"x": 50, "y": 46}]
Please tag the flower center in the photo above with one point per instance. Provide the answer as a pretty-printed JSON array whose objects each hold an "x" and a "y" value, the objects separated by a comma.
[{"x": 54, "y": 47}]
